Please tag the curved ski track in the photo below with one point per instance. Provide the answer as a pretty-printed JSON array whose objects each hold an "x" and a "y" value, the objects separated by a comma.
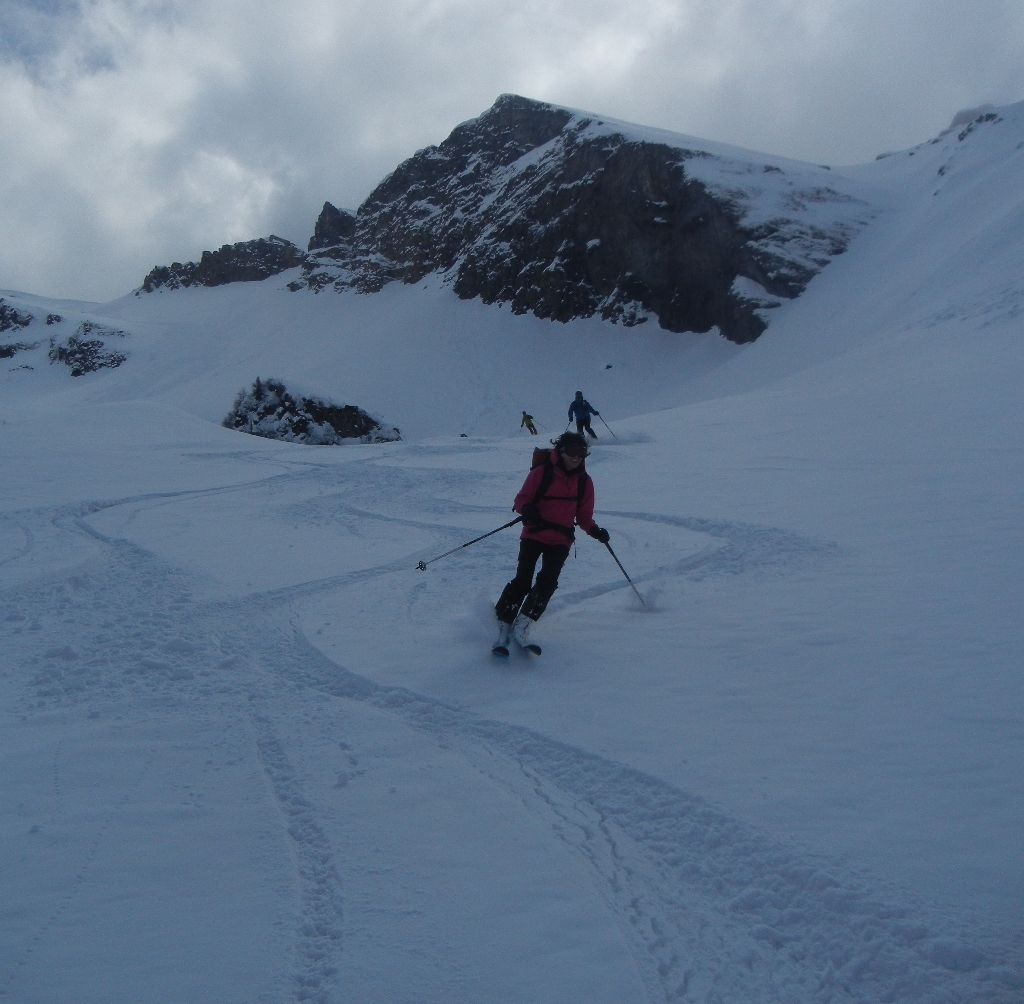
[{"x": 714, "y": 910}]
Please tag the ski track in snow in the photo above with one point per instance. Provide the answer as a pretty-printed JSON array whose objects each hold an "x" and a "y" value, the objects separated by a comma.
[
  {"x": 320, "y": 927},
  {"x": 714, "y": 910}
]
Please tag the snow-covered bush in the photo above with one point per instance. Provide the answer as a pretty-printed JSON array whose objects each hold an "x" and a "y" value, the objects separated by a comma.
[{"x": 267, "y": 409}]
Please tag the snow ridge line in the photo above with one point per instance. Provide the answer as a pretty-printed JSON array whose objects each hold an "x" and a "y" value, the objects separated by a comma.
[
  {"x": 727, "y": 911},
  {"x": 319, "y": 934}
]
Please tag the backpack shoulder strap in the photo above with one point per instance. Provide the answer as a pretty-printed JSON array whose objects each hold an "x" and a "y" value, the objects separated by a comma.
[
  {"x": 545, "y": 481},
  {"x": 581, "y": 487}
]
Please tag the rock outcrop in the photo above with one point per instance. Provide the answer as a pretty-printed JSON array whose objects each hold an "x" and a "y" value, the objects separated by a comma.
[
  {"x": 87, "y": 351},
  {"x": 334, "y": 227},
  {"x": 11, "y": 319},
  {"x": 8, "y": 350},
  {"x": 268, "y": 410},
  {"x": 249, "y": 261}
]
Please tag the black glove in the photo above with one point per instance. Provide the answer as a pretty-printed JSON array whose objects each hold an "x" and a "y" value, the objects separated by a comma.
[
  {"x": 599, "y": 534},
  {"x": 530, "y": 514},
  {"x": 597, "y": 413}
]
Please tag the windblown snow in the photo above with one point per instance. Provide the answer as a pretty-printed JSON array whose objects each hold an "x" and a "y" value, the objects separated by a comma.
[{"x": 251, "y": 754}]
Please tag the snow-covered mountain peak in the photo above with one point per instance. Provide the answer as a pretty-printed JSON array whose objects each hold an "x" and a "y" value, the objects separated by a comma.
[{"x": 565, "y": 214}]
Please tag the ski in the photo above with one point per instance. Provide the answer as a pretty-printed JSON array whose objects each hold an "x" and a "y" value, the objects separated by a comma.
[
  {"x": 500, "y": 650},
  {"x": 532, "y": 647}
]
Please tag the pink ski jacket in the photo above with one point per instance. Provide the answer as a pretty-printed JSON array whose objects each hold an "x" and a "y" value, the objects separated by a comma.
[{"x": 559, "y": 502}]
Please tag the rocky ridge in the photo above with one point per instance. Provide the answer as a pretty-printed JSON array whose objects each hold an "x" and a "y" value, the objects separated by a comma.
[
  {"x": 249, "y": 261},
  {"x": 568, "y": 215}
]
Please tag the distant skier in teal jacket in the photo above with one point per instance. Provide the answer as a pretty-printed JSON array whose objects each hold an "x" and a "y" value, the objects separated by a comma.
[{"x": 580, "y": 412}]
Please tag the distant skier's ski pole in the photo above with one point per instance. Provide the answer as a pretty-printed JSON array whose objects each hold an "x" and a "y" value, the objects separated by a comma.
[
  {"x": 609, "y": 428},
  {"x": 628, "y": 579},
  {"x": 422, "y": 565}
]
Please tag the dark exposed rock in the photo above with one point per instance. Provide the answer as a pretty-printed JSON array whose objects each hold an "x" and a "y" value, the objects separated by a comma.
[
  {"x": 564, "y": 216},
  {"x": 8, "y": 349},
  {"x": 86, "y": 350},
  {"x": 331, "y": 242},
  {"x": 987, "y": 117},
  {"x": 11, "y": 319},
  {"x": 53, "y": 318},
  {"x": 333, "y": 227},
  {"x": 267, "y": 409},
  {"x": 249, "y": 261}
]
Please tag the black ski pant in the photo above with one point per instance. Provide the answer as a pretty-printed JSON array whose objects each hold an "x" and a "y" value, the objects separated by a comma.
[
  {"x": 523, "y": 587},
  {"x": 584, "y": 424}
]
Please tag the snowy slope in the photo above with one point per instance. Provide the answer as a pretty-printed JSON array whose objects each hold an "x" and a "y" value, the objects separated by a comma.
[
  {"x": 420, "y": 357},
  {"x": 253, "y": 755}
]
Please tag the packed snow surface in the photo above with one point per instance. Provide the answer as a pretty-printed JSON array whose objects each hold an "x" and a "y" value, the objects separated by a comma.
[{"x": 251, "y": 754}]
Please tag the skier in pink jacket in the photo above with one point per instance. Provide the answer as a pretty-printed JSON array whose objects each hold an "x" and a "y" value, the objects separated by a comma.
[{"x": 557, "y": 495}]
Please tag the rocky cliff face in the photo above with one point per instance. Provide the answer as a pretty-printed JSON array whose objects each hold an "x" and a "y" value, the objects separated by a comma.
[
  {"x": 249, "y": 261},
  {"x": 567, "y": 215},
  {"x": 334, "y": 227}
]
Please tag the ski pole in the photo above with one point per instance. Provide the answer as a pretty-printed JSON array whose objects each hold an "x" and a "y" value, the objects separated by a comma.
[
  {"x": 607, "y": 426},
  {"x": 422, "y": 565},
  {"x": 621, "y": 569}
]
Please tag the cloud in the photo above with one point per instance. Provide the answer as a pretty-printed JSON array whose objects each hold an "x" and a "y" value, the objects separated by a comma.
[{"x": 137, "y": 132}]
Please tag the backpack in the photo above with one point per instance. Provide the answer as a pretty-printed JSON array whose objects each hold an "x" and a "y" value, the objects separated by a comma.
[{"x": 542, "y": 456}]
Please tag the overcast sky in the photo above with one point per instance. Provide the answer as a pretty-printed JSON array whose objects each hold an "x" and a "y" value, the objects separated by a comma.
[{"x": 137, "y": 132}]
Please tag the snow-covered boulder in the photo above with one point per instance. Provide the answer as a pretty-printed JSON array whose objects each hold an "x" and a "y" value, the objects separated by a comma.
[{"x": 267, "y": 409}]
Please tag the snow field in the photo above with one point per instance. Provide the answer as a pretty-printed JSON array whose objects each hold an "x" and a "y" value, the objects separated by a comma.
[{"x": 700, "y": 904}]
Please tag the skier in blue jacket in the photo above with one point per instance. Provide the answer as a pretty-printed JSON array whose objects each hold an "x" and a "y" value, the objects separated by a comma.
[{"x": 581, "y": 410}]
